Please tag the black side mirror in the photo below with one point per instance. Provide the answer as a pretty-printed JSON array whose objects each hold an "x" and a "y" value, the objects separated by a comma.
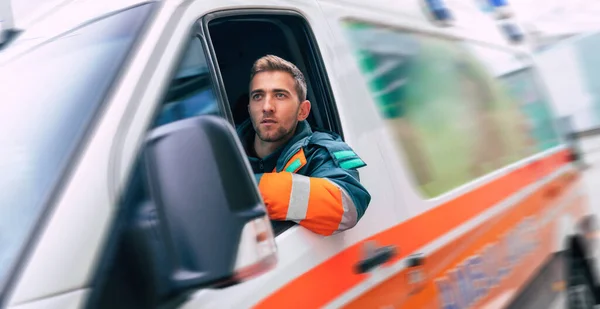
[{"x": 210, "y": 224}]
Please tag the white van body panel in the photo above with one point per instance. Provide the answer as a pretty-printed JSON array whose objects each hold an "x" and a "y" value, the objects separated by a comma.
[
  {"x": 70, "y": 300},
  {"x": 63, "y": 260}
]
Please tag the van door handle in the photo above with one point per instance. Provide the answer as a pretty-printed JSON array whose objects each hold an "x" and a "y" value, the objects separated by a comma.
[
  {"x": 415, "y": 274},
  {"x": 375, "y": 256},
  {"x": 415, "y": 260}
]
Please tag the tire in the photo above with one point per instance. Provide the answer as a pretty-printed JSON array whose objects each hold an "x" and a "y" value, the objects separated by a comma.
[
  {"x": 580, "y": 297},
  {"x": 581, "y": 292}
]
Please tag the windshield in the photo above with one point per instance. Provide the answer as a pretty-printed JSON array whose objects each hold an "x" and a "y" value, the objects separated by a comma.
[{"x": 48, "y": 98}]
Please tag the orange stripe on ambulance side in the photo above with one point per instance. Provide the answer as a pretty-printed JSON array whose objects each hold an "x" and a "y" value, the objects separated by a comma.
[
  {"x": 332, "y": 278},
  {"x": 488, "y": 243}
]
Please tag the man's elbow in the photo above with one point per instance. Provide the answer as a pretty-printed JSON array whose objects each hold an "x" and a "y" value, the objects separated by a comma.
[
  {"x": 362, "y": 202},
  {"x": 360, "y": 195}
]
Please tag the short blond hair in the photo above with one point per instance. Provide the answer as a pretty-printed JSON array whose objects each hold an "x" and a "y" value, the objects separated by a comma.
[{"x": 271, "y": 63}]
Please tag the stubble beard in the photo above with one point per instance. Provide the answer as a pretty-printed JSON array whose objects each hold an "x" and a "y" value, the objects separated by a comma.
[{"x": 280, "y": 134}]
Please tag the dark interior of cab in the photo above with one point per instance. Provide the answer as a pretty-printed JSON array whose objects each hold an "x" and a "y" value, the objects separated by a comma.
[{"x": 238, "y": 41}]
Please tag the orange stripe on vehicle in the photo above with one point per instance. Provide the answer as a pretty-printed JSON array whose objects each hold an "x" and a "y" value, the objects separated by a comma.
[
  {"x": 276, "y": 189},
  {"x": 332, "y": 278},
  {"x": 454, "y": 253},
  {"x": 325, "y": 209}
]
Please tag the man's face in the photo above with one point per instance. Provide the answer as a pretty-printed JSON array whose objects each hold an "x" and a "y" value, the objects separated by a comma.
[{"x": 274, "y": 106}]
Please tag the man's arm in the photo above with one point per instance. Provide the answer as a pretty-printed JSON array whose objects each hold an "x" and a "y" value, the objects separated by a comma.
[{"x": 330, "y": 199}]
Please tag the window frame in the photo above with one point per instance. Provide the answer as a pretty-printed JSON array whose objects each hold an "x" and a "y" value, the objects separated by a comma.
[
  {"x": 215, "y": 74},
  {"x": 126, "y": 210},
  {"x": 198, "y": 29},
  {"x": 329, "y": 113},
  {"x": 216, "y": 81}
]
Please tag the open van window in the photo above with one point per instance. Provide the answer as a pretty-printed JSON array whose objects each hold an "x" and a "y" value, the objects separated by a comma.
[
  {"x": 195, "y": 89},
  {"x": 240, "y": 38},
  {"x": 50, "y": 96}
]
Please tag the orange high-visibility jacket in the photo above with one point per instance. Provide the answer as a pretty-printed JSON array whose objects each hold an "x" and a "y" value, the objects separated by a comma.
[{"x": 312, "y": 180}]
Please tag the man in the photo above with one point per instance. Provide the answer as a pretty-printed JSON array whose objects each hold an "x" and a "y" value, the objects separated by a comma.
[{"x": 307, "y": 177}]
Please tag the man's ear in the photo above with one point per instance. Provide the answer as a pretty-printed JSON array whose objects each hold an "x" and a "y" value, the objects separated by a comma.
[{"x": 304, "y": 110}]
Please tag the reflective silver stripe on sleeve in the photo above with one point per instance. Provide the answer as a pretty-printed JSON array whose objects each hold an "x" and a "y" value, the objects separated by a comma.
[
  {"x": 299, "y": 198},
  {"x": 350, "y": 216}
]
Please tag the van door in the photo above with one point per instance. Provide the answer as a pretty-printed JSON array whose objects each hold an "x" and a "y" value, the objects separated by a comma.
[
  {"x": 81, "y": 248},
  {"x": 234, "y": 36}
]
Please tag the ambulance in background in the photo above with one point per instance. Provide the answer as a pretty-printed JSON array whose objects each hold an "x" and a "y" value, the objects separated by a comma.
[{"x": 123, "y": 184}]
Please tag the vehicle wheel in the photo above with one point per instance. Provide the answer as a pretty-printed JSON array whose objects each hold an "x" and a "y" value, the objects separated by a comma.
[
  {"x": 580, "y": 297},
  {"x": 580, "y": 291}
]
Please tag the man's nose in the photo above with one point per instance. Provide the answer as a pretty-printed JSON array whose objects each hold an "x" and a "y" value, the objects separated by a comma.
[{"x": 268, "y": 106}]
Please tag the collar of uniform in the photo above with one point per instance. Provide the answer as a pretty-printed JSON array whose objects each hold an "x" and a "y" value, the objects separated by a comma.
[
  {"x": 246, "y": 134},
  {"x": 299, "y": 140}
]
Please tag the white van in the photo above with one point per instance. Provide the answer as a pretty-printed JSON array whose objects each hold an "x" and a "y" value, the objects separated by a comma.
[{"x": 123, "y": 185}]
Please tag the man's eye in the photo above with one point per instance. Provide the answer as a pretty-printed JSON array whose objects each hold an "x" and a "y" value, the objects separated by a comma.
[
  {"x": 256, "y": 97},
  {"x": 280, "y": 95}
]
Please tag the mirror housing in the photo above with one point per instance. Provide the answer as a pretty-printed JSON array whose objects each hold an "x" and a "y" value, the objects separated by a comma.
[{"x": 210, "y": 219}]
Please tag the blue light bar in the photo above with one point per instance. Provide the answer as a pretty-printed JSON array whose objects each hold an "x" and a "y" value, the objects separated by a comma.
[
  {"x": 439, "y": 10},
  {"x": 498, "y": 3},
  {"x": 501, "y": 8}
]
